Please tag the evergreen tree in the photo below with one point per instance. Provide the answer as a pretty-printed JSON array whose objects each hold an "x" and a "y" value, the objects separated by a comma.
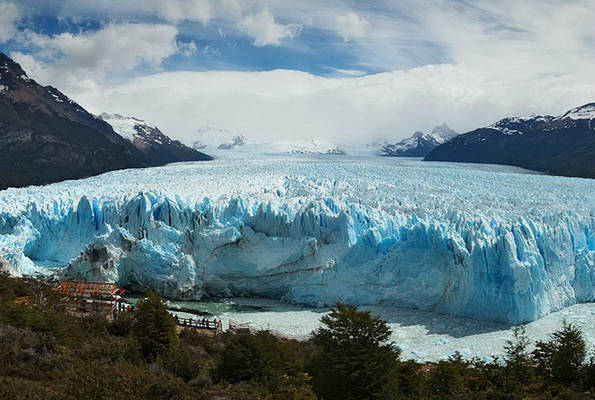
[
  {"x": 154, "y": 327},
  {"x": 561, "y": 357},
  {"x": 356, "y": 361},
  {"x": 517, "y": 355}
]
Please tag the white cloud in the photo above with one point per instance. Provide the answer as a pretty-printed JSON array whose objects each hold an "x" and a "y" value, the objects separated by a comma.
[
  {"x": 193, "y": 10},
  {"x": 291, "y": 104},
  {"x": 351, "y": 26},
  {"x": 518, "y": 40},
  {"x": 467, "y": 64},
  {"x": 263, "y": 28},
  {"x": 85, "y": 59},
  {"x": 187, "y": 49},
  {"x": 178, "y": 10},
  {"x": 9, "y": 16}
]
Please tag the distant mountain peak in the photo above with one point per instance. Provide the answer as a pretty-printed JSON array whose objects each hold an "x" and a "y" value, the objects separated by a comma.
[
  {"x": 211, "y": 138},
  {"x": 420, "y": 143},
  {"x": 444, "y": 131}
]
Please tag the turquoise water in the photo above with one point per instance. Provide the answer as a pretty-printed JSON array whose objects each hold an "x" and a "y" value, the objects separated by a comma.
[{"x": 211, "y": 307}]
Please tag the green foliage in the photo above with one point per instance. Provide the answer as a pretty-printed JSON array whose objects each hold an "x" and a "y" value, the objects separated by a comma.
[
  {"x": 446, "y": 379},
  {"x": 189, "y": 363},
  {"x": 11, "y": 288},
  {"x": 48, "y": 354},
  {"x": 267, "y": 360},
  {"x": 252, "y": 357},
  {"x": 122, "y": 325},
  {"x": 154, "y": 327},
  {"x": 517, "y": 355},
  {"x": 562, "y": 356},
  {"x": 356, "y": 360}
]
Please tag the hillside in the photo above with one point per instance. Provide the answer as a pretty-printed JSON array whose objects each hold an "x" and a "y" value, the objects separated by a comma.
[
  {"x": 46, "y": 137},
  {"x": 563, "y": 145}
]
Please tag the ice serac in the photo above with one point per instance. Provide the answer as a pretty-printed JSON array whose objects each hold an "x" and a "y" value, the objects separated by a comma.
[{"x": 316, "y": 232}]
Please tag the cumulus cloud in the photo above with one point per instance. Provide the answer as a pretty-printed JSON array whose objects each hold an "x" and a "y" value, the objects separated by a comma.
[
  {"x": 9, "y": 16},
  {"x": 351, "y": 26},
  {"x": 263, "y": 28},
  {"x": 85, "y": 59}
]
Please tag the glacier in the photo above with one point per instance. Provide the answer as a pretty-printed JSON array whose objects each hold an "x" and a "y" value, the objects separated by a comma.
[{"x": 481, "y": 241}]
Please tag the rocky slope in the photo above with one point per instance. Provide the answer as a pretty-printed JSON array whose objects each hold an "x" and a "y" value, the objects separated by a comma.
[
  {"x": 151, "y": 141},
  {"x": 46, "y": 137},
  {"x": 563, "y": 145}
]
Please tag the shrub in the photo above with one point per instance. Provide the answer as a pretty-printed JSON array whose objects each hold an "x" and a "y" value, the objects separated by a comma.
[{"x": 122, "y": 325}]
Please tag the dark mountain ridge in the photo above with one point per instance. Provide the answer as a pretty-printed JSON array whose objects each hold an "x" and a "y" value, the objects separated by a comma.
[
  {"x": 46, "y": 137},
  {"x": 563, "y": 145}
]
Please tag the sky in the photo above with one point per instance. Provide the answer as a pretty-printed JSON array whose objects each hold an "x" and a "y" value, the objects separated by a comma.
[{"x": 346, "y": 70}]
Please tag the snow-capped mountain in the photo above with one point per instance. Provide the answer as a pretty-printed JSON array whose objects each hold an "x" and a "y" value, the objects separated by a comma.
[
  {"x": 212, "y": 138},
  {"x": 563, "y": 145},
  {"x": 420, "y": 143},
  {"x": 47, "y": 137},
  {"x": 305, "y": 146},
  {"x": 518, "y": 125},
  {"x": 586, "y": 112},
  {"x": 150, "y": 140}
]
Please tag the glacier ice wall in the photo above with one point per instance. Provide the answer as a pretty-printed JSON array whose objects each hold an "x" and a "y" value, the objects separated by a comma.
[{"x": 479, "y": 243}]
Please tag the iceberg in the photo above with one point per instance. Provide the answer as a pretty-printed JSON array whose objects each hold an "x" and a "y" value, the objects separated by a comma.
[{"x": 490, "y": 242}]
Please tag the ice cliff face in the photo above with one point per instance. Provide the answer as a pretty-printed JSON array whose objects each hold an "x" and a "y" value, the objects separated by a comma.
[{"x": 477, "y": 241}]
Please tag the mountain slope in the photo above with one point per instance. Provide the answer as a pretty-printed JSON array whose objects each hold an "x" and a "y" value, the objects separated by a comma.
[
  {"x": 151, "y": 141},
  {"x": 420, "y": 143},
  {"x": 46, "y": 137},
  {"x": 563, "y": 145}
]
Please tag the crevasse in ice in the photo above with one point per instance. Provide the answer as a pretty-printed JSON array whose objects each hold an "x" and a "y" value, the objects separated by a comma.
[{"x": 478, "y": 241}]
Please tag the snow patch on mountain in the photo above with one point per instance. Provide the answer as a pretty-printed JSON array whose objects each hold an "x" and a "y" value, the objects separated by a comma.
[
  {"x": 420, "y": 143},
  {"x": 517, "y": 125},
  {"x": 584, "y": 112},
  {"x": 212, "y": 138},
  {"x": 305, "y": 146},
  {"x": 127, "y": 127},
  {"x": 443, "y": 133}
]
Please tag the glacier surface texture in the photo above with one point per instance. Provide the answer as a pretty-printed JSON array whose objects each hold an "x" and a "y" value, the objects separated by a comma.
[{"x": 479, "y": 241}]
